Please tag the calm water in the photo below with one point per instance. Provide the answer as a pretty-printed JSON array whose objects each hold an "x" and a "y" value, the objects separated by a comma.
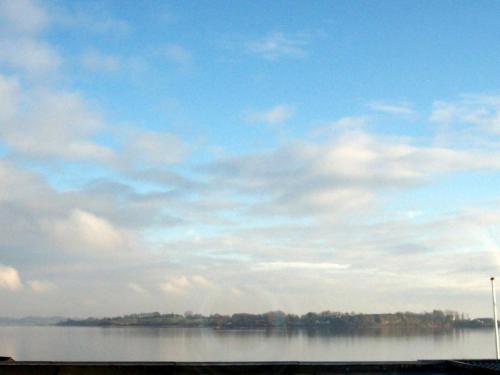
[{"x": 172, "y": 344}]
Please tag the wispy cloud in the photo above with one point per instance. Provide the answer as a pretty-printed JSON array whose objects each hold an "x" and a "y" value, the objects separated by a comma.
[
  {"x": 176, "y": 286},
  {"x": 393, "y": 108},
  {"x": 176, "y": 53},
  {"x": 93, "y": 19},
  {"x": 277, "y": 45},
  {"x": 97, "y": 61},
  {"x": 138, "y": 288},
  {"x": 272, "y": 266},
  {"x": 481, "y": 111},
  {"x": 343, "y": 124},
  {"x": 201, "y": 281},
  {"x": 10, "y": 97},
  {"x": 42, "y": 287},
  {"x": 272, "y": 116},
  {"x": 183, "y": 284}
]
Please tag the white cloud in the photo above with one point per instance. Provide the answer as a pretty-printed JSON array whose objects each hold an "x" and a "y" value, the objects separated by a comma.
[
  {"x": 10, "y": 93},
  {"x": 392, "y": 108},
  {"x": 23, "y": 16},
  {"x": 41, "y": 287},
  {"x": 49, "y": 124},
  {"x": 9, "y": 278},
  {"x": 21, "y": 48},
  {"x": 340, "y": 176},
  {"x": 85, "y": 231},
  {"x": 20, "y": 186},
  {"x": 85, "y": 223},
  {"x": 154, "y": 147},
  {"x": 29, "y": 55},
  {"x": 279, "y": 45},
  {"x": 275, "y": 115}
]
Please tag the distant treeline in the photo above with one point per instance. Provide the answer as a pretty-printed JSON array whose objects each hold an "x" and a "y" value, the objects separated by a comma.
[
  {"x": 278, "y": 319},
  {"x": 31, "y": 321}
]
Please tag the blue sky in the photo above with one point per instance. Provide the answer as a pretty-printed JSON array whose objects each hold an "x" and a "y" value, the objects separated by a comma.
[{"x": 248, "y": 156}]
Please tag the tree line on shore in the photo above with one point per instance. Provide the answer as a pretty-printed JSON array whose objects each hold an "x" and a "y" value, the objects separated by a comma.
[{"x": 277, "y": 319}]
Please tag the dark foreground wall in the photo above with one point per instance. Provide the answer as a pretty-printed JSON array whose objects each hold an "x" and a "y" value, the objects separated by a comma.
[{"x": 261, "y": 368}]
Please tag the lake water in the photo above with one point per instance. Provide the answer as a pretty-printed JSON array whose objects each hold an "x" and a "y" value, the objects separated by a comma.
[{"x": 198, "y": 344}]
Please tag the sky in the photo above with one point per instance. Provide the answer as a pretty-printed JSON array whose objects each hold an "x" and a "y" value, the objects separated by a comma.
[{"x": 229, "y": 156}]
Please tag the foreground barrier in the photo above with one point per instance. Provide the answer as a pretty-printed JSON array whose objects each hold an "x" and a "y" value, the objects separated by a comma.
[{"x": 456, "y": 367}]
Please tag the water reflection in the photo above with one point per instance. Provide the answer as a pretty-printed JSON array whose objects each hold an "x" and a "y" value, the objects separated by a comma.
[{"x": 204, "y": 344}]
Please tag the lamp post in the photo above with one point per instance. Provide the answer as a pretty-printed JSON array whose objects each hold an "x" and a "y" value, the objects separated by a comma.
[{"x": 495, "y": 320}]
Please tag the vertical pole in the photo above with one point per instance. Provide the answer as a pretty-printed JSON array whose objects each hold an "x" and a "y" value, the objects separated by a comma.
[{"x": 495, "y": 319}]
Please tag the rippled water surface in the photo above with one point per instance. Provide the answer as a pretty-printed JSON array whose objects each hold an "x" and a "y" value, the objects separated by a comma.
[{"x": 198, "y": 344}]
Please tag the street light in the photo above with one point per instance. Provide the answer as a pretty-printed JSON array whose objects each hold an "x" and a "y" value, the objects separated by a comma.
[{"x": 495, "y": 320}]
